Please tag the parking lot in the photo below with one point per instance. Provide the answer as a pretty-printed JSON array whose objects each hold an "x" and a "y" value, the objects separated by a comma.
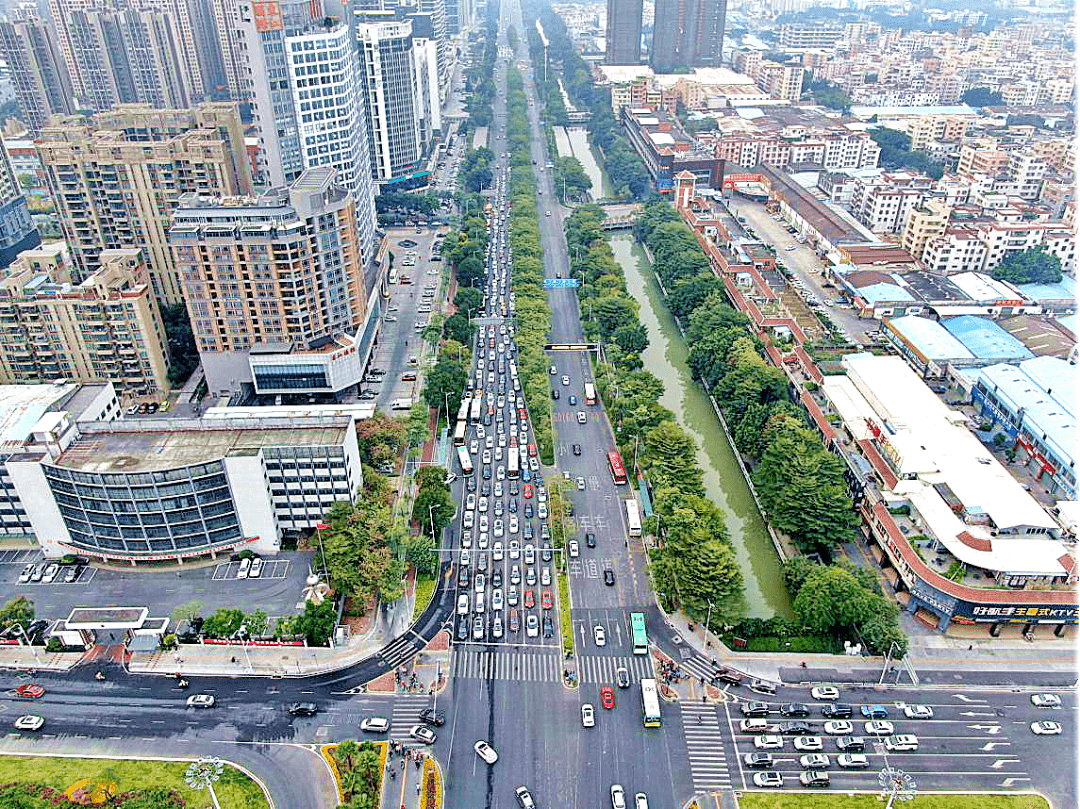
[
  {"x": 278, "y": 590},
  {"x": 400, "y": 335}
]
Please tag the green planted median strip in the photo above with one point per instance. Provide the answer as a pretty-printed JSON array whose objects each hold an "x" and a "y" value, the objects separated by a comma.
[
  {"x": 834, "y": 801},
  {"x": 564, "y": 612},
  {"x": 33, "y": 782}
]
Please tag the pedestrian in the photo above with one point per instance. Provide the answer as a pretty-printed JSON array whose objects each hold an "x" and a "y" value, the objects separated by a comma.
[{"x": 971, "y": 646}]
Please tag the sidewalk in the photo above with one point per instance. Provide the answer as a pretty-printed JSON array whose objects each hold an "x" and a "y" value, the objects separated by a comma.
[
  {"x": 925, "y": 651},
  {"x": 403, "y": 790},
  {"x": 27, "y": 657}
]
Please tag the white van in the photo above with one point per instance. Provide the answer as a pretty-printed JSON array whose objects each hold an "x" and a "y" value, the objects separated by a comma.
[{"x": 401, "y": 404}]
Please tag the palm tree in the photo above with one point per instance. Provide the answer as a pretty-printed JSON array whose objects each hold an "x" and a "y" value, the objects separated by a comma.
[{"x": 346, "y": 752}]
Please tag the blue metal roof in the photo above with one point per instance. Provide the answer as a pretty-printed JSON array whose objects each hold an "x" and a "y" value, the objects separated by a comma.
[
  {"x": 986, "y": 339},
  {"x": 930, "y": 338},
  {"x": 876, "y": 293},
  {"x": 1065, "y": 289}
]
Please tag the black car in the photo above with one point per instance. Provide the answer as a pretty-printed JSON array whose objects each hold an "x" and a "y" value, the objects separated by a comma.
[
  {"x": 432, "y": 717},
  {"x": 486, "y": 474},
  {"x": 577, "y": 449},
  {"x": 554, "y": 393},
  {"x": 303, "y": 709},
  {"x": 549, "y": 627},
  {"x": 463, "y": 623},
  {"x": 851, "y": 744},
  {"x": 729, "y": 676},
  {"x": 758, "y": 760},
  {"x": 754, "y": 709},
  {"x": 485, "y": 488},
  {"x": 590, "y": 539},
  {"x": 836, "y": 710},
  {"x": 795, "y": 728},
  {"x": 463, "y": 577},
  {"x": 609, "y": 577},
  {"x": 497, "y": 576},
  {"x": 794, "y": 709},
  {"x": 515, "y": 490}
]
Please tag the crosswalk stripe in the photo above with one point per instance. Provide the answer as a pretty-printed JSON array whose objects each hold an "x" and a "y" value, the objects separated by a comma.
[
  {"x": 506, "y": 665},
  {"x": 704, "y": 747}
]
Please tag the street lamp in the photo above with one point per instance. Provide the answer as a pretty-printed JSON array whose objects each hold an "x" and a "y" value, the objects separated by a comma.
[
  {"x": 22, "y": 631},
  {"x": 242, "y": 635},
  {"x": 203, "y": 773},
  {"x": 705, "y": 631},
  {"x": 896, "y": 785}
]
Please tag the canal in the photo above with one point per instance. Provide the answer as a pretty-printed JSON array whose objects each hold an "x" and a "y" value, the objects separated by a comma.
[{"x": 666, "y": 357}]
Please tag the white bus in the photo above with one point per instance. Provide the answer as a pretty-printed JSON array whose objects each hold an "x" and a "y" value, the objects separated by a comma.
[
  {"x": 464, "y": 461},
  {"x": 401, "y": 404},
  {"x": 474, "y": 415},
  {"x": 459, "y": 433},
  {"x": 650, "y": 704},
  {"x": 513, "y": 471},
  {"x": 590, "y": 393},
  {"x": 633, "y": 521}
]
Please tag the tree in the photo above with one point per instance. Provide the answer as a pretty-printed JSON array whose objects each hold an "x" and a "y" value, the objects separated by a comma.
[
  {"x": 316, "y": 622},
  {"x": 186, "y": 613},
  {"x": 17, "y": 611},
  {"x": 390, "y": 584},
  {"x": 420, "y": 553},
  {"x": 982, "y": 97},
  {"x": 670, "y": 458},
  {"x": 631, "y": 338},
  {"x": 183, "y": 355},
  {"x": 831, "y": 598},
  {"x": 433, "y": 509},
  {"x": 687, "y": 294},
  {"x": 418, "y": 426},
  {"x": 1033, "y": 266},
  {"x": 257, "y": 624},
  {"x": 797, "y": 570},
  {"x": 444, "y": 385},
  {"x": 468, "y": 301},
  {"x": 458, "y": 328},
  {"x": 224, "y": 622}
]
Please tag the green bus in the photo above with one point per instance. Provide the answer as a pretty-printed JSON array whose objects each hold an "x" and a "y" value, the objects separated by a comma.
[{"x": 637, "y": 633}]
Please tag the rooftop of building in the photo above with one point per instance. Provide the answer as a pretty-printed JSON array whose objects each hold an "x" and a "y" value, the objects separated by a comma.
[
  {"x": 981, "y": 288},
  {"x": 1065, "y": 289},
  {"x": 830, "y": 224},
  {"x": 159, "y": 444},
  {"x": 862, "y": 255},
  {"x": 986, "y": 339},
  {"x": 929, "y": 338},
  {"x": 1042, "y": 336},
  {"x": 931, "y": 287},
  {"x": 860, "y": 111},
  {"x": 22, "y": 406}
]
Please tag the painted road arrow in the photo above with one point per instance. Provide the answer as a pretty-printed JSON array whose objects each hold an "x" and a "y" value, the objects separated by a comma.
[
  {"x": 1008, "y": 782},
  {"x": 992, "y": 729},
  {"x": 1001, "y": 762},
  {"x": 992, "y": 745},
  {"x": 967, "y": 699},
  {"x": 976, "y": 713}
]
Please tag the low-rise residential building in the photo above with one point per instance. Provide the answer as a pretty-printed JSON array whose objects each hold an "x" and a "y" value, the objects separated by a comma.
[
  {"x": 882, "y": 203},
  {"x": 104, "y": 328},
  {"x": 923, "y": 223}
]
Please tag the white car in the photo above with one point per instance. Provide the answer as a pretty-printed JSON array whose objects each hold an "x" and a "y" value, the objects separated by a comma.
[
  {"x": 1046, "y": 700},
  {"x": 768, "y": 779},
  {"x": 497, "y": 549},
  {"x": 878, "y": 727},
  {"x": 532, "y": 626},
  {"x": 514, "y": 526},
  {"x": 807, "y": 743},
  {"x": 486, "y": 457},
  {"x": 826, "y": 693},
  {"x": 484, "y": 504},
  {"x": 1045, "y": 728},
  {"x": 256, "y": 568},
  {"x": 498, "y": 528},
  {"x": 905, "y": 742},
  {"x": 588, "y": 716},
  {"x": 618, "y": 796},
  {"x": 486, "y": 752},
  {"x": 515, "y": 549},
  {"x": 496, "y": 599},
  {"x": 29, "y": 722},
  {"x": 201, "y": 701},
  {"x": 918, "y": 712},
  {"x": 581, "y": 484},
  {"x": 375, "y": 724},
  {"x": 769, "y": 742},
  {"x": 565, "y": 381},
  {"x": 814, "y": 761},
  {"x": 463, "y": 604},
  {"x": 838, "y": 728},
  {"x": 242, "y": 573},
  {"x": 599, "y": 636},
  {"x": 574, "y": 549},
  {"x": 853, "y": 761}
]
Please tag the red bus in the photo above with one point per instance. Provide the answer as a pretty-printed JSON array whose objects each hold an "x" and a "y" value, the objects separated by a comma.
[{"x": 618, "y": 471}]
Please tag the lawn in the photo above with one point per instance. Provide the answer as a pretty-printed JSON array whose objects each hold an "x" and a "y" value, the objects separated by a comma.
[
  {"x": 235, "y": 790},
  {"x": 425, "y": 586},
  {"x": 778, "y": 800}
]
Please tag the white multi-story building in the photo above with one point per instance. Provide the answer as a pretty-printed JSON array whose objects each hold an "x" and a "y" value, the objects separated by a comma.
[
  {"x": 958, "y": 249},
  {"x": 882, "y": 203},
  {"x": 307, "y": 93}
]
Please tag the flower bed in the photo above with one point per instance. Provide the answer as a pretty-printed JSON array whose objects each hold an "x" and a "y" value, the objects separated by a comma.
[{"x": 431, "y": 797}]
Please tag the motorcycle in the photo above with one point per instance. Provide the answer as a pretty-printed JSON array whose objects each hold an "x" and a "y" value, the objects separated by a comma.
[{"x": 100, "y": 676}]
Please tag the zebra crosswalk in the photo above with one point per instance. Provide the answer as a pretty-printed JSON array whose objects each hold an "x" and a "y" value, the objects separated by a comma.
[
  {"x": 705, "y": 747},
  {"x": 494, "y": 664},
  {"x": 405, "y": 714},
  {"x": 596, "y": 669}
]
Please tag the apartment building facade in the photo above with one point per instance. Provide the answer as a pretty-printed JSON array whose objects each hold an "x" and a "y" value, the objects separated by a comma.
[
  {"x": 882, "y": 203},
  {"x": 104, "y": 328},
  {"x": 623, "y": 32},
  {"x": 688, "y": 33},
  {"x": 783, "y": 81},
  {"x": 270, "y": 282},
  {"x": 924, "y": 222},
  {"x": 117, "y": 176},
  {"x": 38, "y": 71}
]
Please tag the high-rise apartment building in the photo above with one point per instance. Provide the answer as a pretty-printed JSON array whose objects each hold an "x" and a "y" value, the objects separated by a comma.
[
  {"x": 106, "y": 327},
  {"x": 307, "y": 94},
  {"x": 274, "y": 285},
  {"x": 17, "y": 229},
  {"x": 385, "y": 52},
  {"x": 623, "y": 34},
  {"x": 688, "y": 33},
  {"x": 127, "y": 51},
  {"x": 117, "y": 177},
  {"x": 38, "y": 70}
]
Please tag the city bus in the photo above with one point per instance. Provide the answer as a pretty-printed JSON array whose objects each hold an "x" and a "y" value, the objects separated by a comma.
[
  {"x": 590, "y": 393},
  {"x": 459, "y": 433},
  {"x": 650, "y": 704},
  {"x": 637, "y": 633},
  {"x": 633, "y": 520},
  {"x": 513, "y": 468},
  {"x": 464, "y": 461},
  {"x": 615, "y": 466},
  {"x": 474, "y": 413}
]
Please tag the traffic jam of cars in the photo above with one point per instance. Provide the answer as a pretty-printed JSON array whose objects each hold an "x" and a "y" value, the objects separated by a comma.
[
  {"x": 504, "y": 557},
  {"x": 813, "y": 745}
]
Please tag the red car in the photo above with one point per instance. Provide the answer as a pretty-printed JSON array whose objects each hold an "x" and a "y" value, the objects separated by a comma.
[
  {"x": 530, "y": 599},
  {"x": 30, "y": 691},
  {"x": 532, "y": 449},
  {"x": 607, "y": 697},
  {"x": 527, "y": 491},
  {"x": 546, "y": 599}
]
